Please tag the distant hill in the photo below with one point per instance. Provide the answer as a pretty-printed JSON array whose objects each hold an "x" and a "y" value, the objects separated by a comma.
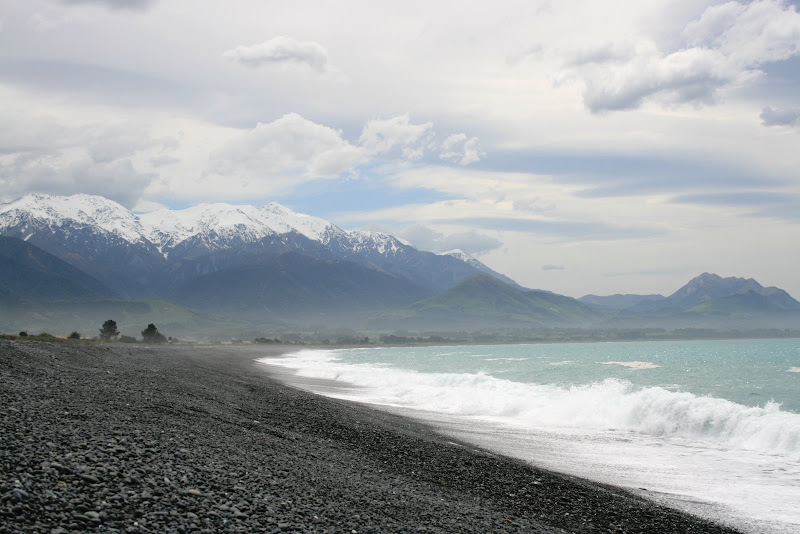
[
  {"x": 707, "y": 288},
  {"x": 711, "y": 301},
  {"x": 748, "y": 303},
  {"x": 29, "y": 274},
  {"x": 298, "y": 287},
  {"x": 482, "y": 301}
]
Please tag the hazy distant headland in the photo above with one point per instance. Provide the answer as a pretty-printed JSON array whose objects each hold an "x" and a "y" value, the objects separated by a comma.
[{"x": 221, "y": 272}]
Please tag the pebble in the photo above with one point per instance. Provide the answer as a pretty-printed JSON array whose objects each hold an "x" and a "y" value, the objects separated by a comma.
[{"x": 98, "y": 438}]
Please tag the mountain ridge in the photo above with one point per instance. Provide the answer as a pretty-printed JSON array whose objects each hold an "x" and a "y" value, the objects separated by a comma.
[
  {"x": 267, "y": 263},
  {"x": 137, "y": 254}
]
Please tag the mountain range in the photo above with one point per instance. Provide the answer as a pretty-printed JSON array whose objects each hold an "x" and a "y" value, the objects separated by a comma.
[
  {"x": 152, "y": 254},
  {"x": 270, "y": 265},
  {"x": 706, "y": 300}
]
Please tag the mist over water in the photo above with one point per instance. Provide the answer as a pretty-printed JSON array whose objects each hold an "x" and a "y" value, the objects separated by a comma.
[{"x": 712, "y": 427}]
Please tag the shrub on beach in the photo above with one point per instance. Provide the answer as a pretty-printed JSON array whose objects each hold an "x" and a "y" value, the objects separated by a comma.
[
  {"x": 109, "y": 330},
  {"x": 152, "y": 335}
]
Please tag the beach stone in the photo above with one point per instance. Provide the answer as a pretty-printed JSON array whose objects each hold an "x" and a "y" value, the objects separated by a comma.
[{"x": 98, "y": 438}]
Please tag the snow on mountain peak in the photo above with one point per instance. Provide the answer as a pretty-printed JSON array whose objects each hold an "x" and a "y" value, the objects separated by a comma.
[
  {"x": 216, "y": 226},
  {"x": 90, "y": 210},
  {"x": 219, "y": 223},
  {"x": 381, "y": 242},
  {"x": 285, "y": 220},
  {"x": 459, "y": 254}
]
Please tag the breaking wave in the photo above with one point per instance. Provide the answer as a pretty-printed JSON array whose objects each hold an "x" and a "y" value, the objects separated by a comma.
[{"x": 607, "y": 405}]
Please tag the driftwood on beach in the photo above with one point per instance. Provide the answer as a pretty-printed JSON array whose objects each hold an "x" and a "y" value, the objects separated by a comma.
[{"x": 114, "y": 438}]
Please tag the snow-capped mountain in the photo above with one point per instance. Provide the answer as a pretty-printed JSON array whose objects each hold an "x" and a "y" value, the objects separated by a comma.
[
  {"x": 222, "y": 226},
  {"x": 33, "y": 213},
  {"x": 144, "y": 255},
  {"x": 92, "y": 233}
]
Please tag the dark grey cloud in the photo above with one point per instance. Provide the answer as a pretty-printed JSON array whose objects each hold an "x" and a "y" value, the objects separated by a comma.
[
  {"x": 550, "y": 267},
  {"x": 114, "y": 4},
  {"x": 780, "y": 117}
]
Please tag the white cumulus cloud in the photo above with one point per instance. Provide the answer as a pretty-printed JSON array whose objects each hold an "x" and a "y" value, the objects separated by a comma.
[
  {"x": 725, "y": 47},
  {"x": 46, "y": 153},
  {"x": 281, "y": 50},
  {"x": 290, "y": 143},
  {"x": 382, "y": 135},
  {"x": 461, "y": 149},
  {"x": 292, "y": 150}
]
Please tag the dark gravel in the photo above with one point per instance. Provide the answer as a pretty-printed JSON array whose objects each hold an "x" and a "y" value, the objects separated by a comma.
[{"x": 183, "y": 439}]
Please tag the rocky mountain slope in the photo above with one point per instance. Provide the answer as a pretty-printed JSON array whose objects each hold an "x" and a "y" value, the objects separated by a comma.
[{"x": 28, "y": 274}]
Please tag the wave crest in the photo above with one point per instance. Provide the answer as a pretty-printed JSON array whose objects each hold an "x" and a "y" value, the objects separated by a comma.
[{"x": 610, "y": 404}]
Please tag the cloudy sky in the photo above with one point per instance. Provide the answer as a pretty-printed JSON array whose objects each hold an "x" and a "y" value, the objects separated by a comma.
[{"x": 594, "y": 146}]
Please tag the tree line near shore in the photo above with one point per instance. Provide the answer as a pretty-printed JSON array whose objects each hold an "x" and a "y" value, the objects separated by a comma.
[
  {"x": 108, "y": 332},
  {"x": 347, "y": 337}
]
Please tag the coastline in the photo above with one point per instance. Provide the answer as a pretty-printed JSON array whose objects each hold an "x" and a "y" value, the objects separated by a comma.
[{"x": 151, "y": 439}]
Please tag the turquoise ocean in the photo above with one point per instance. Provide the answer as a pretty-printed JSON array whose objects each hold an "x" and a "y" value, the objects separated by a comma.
[{"x": 711, "y": 427}]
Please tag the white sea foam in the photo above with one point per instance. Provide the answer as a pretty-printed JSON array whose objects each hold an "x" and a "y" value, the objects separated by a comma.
[
  {"x": 506, "y": 359},
  {"x": 609, "y": 404},
  {"x": 634, "y": 365},
  {"x": 729, "y": 462},
  {"x": 794, "y": 370},
  {"x": 565, "y": 362}
]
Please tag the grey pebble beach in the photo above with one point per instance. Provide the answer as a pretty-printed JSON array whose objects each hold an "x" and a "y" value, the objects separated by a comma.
[{"x": 128, "y": 438}]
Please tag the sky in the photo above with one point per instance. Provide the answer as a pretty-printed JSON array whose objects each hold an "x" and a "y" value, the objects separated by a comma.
[{"x": 594, "y": 146}]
